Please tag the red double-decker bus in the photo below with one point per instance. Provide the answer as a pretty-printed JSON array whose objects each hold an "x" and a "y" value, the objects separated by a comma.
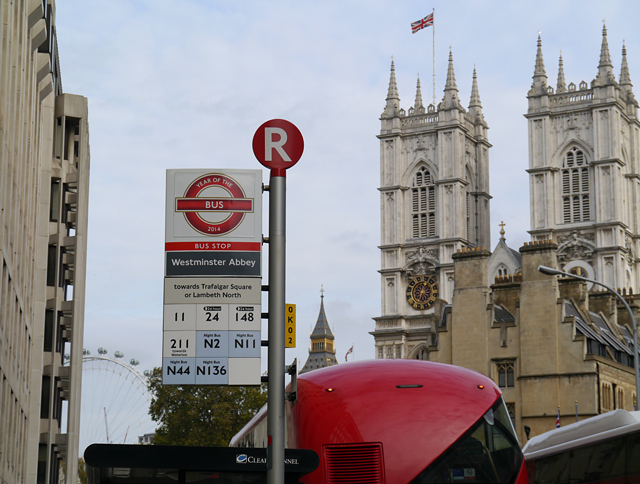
[{"x": 399, "y": 422}]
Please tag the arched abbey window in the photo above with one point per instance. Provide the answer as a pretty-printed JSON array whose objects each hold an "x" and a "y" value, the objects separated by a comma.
[
  {"x": 422, "y": 354},
  {"x": 576, "y": 185},
  {"x": 503, "y": 270},
  {"x": 423, "y": 205}
]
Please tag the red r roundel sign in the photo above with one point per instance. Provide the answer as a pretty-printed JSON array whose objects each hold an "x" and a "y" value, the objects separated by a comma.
[
  {"x": 232, "y": 209},
  {"x": 278, "y": 144}
]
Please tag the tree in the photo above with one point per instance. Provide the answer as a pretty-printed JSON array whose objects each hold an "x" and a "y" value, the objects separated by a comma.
[
  {"x": 82, "y": 471},
  {"x": 201, "y": 415}
]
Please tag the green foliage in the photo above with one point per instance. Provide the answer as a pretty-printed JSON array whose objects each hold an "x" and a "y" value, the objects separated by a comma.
[
  {"x": 201, "y": 415},
  {"x": 82, "y": 471}
]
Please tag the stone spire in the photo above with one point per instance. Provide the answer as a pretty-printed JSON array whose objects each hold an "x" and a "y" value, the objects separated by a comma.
[
  {"x": 605, "y": 68},
  {"x": 419, "y": 106},
  {"x": 451, "y": 100},
  {"x": 625, "y": 78},
  {"x": 475, "y": 95},
  {"x": 561, "y": 85},
  {"x": 475, "y": 107},
  {"x": 392, "y": 107},
  {"x": 539, "y": 86}
]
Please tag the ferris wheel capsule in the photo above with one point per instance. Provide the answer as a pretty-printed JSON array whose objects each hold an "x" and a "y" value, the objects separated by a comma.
[
  {"x": 133, "y": 362},
  {"x": 118, "y": 354},
  {"x": 85, "y": 352},
  {"x": 147, "y": 373},
  {"x": 102, "y": 351}
]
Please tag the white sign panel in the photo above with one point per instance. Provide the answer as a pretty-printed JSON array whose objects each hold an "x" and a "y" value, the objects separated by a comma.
[
  {"x": 213, "y": 206},
  {"x": 212, "y": 286}
]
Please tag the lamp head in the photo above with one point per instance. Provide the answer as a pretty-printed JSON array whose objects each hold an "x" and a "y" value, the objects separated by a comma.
[{"x": 549, "y": 271}]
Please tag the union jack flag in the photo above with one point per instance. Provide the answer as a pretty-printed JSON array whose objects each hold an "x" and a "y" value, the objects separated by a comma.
[
  {"x": 421, "y": 24},
  {"x": 348, "y": 352}
]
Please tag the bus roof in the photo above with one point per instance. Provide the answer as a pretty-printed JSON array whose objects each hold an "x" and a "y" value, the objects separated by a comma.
[{"x": 594, "y": 429}]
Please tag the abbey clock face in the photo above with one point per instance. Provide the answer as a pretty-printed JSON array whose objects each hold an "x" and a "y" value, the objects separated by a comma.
[{"x": 422, "y": 292}]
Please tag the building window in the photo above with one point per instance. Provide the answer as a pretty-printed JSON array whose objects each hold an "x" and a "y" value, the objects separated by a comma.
[
  {"x": 576, "y": 183},
  {"x": 607, "y": 397},
  {"x": 423, "y": 205},
  {"x": 503, "y": 270},
  {"x": 422, "y": 354},
  {"x": 506, "y": 374},
  {"x": 620, "y": 398}
]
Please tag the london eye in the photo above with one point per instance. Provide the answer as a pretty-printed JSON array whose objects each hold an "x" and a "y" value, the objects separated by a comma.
[{"x": 115, "y": 400}]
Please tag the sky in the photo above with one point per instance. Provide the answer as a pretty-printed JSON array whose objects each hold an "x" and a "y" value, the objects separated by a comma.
[{"x": 177, "y": 85}]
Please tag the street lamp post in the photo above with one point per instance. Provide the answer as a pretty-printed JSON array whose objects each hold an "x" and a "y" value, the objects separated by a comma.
[{"x": 556, "y": 272}]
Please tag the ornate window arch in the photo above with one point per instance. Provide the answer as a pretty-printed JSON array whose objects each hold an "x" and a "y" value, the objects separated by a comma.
[
  {"x": 506, "y": 373},
  {"x": 420, "y": 352},
  {"x": 576, "y": 187},
  {"x": 423, "y": 205},
  {"x": 502, "y": 271}
]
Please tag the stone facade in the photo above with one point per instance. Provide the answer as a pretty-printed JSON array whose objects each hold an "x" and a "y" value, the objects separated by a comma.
[
  {"x": 547, "y": 342},
  {"x": 553, "y": 346},
  {"x": 44, "y": 183},
  {"x": 434, "y": 189},
  {"x": 584, "y": 170}
]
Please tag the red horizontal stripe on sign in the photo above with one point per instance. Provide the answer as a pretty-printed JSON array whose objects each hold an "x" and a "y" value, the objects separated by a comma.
[
  {"x": 214, "y": 205},
  {"x": 191, "y": 246}
]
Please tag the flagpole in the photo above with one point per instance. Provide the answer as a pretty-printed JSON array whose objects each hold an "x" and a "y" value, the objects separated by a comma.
[{"x": 434, "y": 58}]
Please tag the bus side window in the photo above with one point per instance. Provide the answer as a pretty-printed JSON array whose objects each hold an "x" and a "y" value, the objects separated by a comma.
[{"x": 633, "y": 451}]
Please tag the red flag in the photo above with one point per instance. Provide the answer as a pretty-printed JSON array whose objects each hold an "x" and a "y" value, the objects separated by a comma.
[
  {"x": 558, "y": 419},
  {"x": 421, "y": 24}
]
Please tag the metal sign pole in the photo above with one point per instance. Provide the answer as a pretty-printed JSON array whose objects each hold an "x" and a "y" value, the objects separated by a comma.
[
  {"x": 276, "y": 360},
  {"x": 278, "y": 145}
]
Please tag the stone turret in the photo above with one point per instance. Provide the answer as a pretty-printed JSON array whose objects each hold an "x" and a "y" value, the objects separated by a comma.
[
  {"x": 561, "y": 85},
  {"x": 451, "y": 100},
  {"x": 392, "y": 108},
  {"x": 605, "y": 75},
  {"x": 539, "y": 86}
]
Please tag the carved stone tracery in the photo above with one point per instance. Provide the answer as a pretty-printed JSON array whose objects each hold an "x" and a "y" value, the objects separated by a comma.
[
  {"x": 421, "y": 261},
  {"x": 576, "y": 246}
]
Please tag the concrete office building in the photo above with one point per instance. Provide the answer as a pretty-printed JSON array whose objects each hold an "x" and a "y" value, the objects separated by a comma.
[{"x": 44, "y": 183}]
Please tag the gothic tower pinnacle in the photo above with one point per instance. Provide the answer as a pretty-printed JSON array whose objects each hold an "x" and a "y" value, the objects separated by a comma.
[
  {"x": 605, "y": 68},
  {"x": 419, "y": 106},
  {"x": 561, "y": 86},
  {"x": 475, "y": 107},
  {"x": 539, "y": 86},
  {"x": 392, "y": 107},
  {"x": 451, "y": 100}
]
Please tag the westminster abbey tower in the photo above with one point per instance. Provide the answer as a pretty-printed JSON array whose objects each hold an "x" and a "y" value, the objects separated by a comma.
[{"x": 434, "y": 189}]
